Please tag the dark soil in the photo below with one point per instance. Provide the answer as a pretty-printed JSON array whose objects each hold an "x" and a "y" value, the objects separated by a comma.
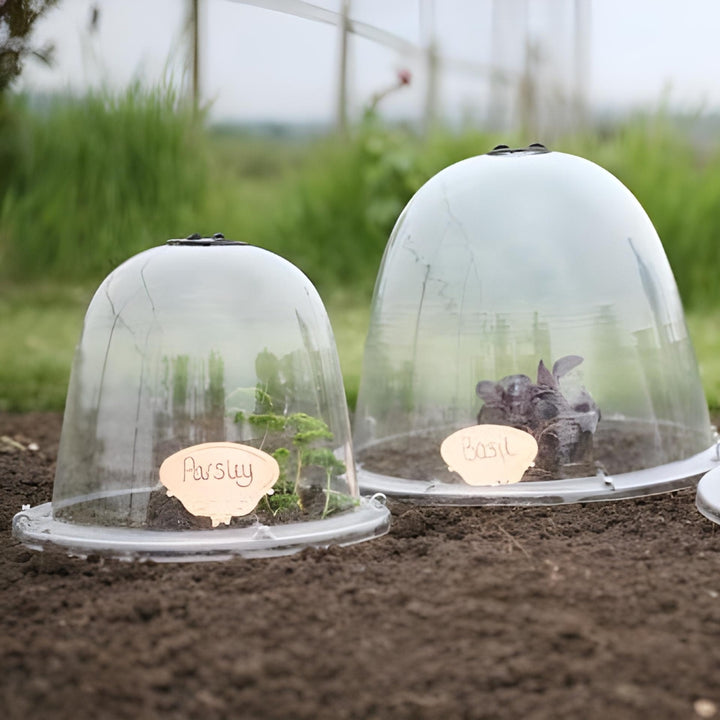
[
  {"x": 617, "y": 447},
  {"x": 168, "y": 513},
  {"x": 595, "y": 611}
]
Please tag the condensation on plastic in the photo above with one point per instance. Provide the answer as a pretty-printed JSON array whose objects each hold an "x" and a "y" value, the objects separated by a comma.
[
  {"x": 500, "y": 261},
  {"x": 176, "y": 343}
]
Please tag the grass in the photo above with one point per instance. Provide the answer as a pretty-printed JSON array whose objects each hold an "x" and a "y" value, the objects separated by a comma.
[
  {"x": 350, "y": 319},
  {"x": 41, "y": 325},
  {"x": 95, "y": 180},
  {"x": 679, "y": 188},
  {"x": 704, "y": 329},
  {"x": 40, "y": 328},
  {"x": 92, "y": 181},
  {"x": 89, "y": 182}
]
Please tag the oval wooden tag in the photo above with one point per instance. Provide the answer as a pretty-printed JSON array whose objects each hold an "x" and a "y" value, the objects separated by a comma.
[
  {"x": 219, "y": 480},
  {"x": 489, "y": 454}
]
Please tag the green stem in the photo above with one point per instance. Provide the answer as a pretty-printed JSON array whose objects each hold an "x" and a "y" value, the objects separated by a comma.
[
  {"x": 267, "y": 502},
  {"x": 327, "y": 495},
  {"x": 296, "y": 486}
]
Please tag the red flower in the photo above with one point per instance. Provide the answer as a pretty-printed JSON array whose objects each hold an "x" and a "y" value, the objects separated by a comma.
[{"x": 404, "y": 77}]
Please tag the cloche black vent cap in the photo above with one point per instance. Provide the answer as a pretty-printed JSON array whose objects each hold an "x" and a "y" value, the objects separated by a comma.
[
  {"x": 197, "y": 239},
  {"x": 534, "y": 149}
]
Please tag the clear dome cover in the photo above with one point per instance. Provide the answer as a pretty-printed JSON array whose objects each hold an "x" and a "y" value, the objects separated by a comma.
[
  {"x": 708, "y": 492},
  {"x": 527, "y": 290},
  {"x": 205, "y": 415}
]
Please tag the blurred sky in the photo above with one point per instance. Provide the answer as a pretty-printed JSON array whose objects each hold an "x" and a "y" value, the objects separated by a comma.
[{"x": 259, "y": 65}]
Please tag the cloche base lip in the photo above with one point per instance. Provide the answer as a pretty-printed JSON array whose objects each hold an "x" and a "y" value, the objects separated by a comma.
[
  {"x": 707, "y": 500},
  {"x": 37, "y": 529},
  {"x": 650, "y": 481}
]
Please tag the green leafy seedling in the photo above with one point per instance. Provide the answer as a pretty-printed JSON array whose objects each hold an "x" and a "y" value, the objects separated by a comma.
[
  {"x": 298, "y": 434},
  {"x": 324, "y": 458},
  {"x": 305, "y": 430}
]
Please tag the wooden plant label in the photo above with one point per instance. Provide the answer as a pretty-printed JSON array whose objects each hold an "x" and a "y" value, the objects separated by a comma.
[
  {"x": 489, "y": 454},
  {"x": 219, "y": 480}
]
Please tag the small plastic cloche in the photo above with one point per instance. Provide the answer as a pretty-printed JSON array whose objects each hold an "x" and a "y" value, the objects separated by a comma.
[
  {"x": 527, "y": 343},
  {"x": 206, "y": 415}
]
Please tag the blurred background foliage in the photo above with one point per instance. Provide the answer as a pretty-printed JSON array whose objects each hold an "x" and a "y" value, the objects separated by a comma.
[{"x": 87, "y": 182}]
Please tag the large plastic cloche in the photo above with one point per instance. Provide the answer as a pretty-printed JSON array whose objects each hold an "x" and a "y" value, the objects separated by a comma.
[
  {"x": 205, "y": 415},
  {"x": 527, "y": 343}
]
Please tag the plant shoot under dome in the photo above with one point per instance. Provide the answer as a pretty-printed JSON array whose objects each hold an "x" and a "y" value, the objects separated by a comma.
[
  {"x": 205, "y": 416},
  {"x": 527, "y": 290}
]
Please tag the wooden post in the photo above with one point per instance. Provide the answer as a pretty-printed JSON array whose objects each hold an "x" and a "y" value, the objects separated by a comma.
[
  {"x": 581, "y": 61},
  {"x": 427, "y": 24},
  {"x": 195, "y": 29},
  {"x": 431, "y": 96},
  {"x": 527, "y": 92},
  {"x": 341, "y": 116}
]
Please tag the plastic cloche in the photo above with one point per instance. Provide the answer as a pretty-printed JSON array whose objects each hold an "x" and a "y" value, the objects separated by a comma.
[
  {"x": 205, "y": 416},
  {"x": 527, "y": 343},
  {"x": 708, "y": 492}
]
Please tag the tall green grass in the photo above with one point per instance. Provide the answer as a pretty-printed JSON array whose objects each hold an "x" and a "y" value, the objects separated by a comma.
[
  {"x": 96, "y": 179},
  {"x": 87, "y": 182},
  {"x": 338, "y": 215},
  {"x": 39, "y": 328},
  {"x": 678, "y": 184}
]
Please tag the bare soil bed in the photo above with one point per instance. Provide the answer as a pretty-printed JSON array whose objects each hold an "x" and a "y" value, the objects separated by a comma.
[{"x": 585, "y": 611}]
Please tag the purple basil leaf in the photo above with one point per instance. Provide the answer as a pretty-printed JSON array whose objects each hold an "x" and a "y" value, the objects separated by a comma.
[
  {"x": 565, "y": 364},
  {"x": 545, "y": 377},
  {"x": 487, "y": 390}
]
